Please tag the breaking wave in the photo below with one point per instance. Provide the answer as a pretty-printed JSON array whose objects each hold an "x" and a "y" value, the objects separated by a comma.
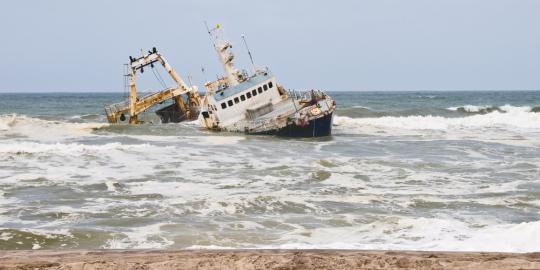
[
  {"x": 44, "y": 129},
  {"x": 61, "y": 148},
  {"x": 485, "y": 109},
  {"x": 6, "y": 121},
  {"x": 504, "y": 116},
  {"x": 427, "y": 234}
]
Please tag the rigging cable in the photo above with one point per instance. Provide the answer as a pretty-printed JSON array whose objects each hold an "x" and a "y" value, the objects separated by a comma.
[
  {"x": 159, "y": 78},
  {"x": 125, "y": 72}
]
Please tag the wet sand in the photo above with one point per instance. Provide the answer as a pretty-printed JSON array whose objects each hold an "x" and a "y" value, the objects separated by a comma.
[{"x": 264, "y": 259}]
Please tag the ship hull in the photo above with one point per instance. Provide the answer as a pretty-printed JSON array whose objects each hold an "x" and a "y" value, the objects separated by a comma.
[
  {"x": 172, "y": 114},
  {"x": 318, "y": 127}
]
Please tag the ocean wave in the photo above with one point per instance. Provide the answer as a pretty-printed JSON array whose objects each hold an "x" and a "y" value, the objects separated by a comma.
[
  {"x": 6, "y": 121},
  {"x": 474, "y": 109},
  {"x": 455, "y": 111},
  {"x": 361, "y": 107},
  {"x": 20, "y": 148},
  {"x": 91, "y": 116},
  {"x": 427, "y": 234},
  {"x": 485, "y": 109},
  {"x": 32, "y": 238},
  {"x": 42, "y": 129},
  {"x": 433, "y": 234},
  {"x": 428, "y": 96},
  {"x": 520, "y": 117},
  {"x": 145, "y": 237}
]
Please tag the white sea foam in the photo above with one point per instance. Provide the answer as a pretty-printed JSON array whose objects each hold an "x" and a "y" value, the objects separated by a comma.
[
  {"x": 111, "y": 185},
  {"x": 428, "y": 234},
  {"x": 6, "y": 121},
  {"x": 14, "y": 147},
  {"x": 5, "y": 236},
  {"x": 140, "y": 238},
  {"x": 361, "y": 107},
  {"x": 216, "y": 140}
]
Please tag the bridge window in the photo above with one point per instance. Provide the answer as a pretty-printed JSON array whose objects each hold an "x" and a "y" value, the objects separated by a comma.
[
  {"x": 254, "y": 92},
  {"x": 260, "y": 90},
  {"x": 230, "y": 103},
  {"x": 265, "y": 87},
  {"x": 223, "y": 105},
  {"x": 236, "y": 100},
  {"x": 270, "y": 85},
  {"x": 248, "y": 94},
  {"x": 242, "y": 97}
]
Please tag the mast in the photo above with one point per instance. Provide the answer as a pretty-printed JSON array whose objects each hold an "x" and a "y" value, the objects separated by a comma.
[
  {"x": 249, "y": 52},
  {"x": 225, "y": 56},
  {"x": 132, "y": 96}
]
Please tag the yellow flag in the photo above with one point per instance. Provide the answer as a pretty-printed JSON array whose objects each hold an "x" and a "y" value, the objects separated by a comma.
[{"x": 217, "y": 26}]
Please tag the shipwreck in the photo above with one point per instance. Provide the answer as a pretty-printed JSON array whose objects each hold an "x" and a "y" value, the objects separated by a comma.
[{"x": 236, "y": 102}]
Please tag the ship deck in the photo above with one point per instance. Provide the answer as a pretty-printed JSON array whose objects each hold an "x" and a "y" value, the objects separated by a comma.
[{"x": 281, "y": 109}]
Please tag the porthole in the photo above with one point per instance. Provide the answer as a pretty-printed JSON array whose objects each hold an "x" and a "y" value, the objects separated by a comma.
[
  {"x": 254, "y": 92},
  {"x": 230, "y": 103},
  {"x": 242, "y": 97},
  {"x": 236, "y": 100},
  {"x": 223, "y": 105},
  {"x": 265, "y": 87},
  {"x": 248, "y": 94},
  {"x": 270, "y": 85}
]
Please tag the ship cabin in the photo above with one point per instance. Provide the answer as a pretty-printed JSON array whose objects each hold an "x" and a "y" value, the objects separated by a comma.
[{"x": 252, "y": 97}]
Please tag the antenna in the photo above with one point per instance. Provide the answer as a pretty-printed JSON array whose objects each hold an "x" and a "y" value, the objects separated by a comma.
[
  {"x": 207, "y": 28},
  {"x": 209, "y": 33},
  {"x": 249, "y": 52}
]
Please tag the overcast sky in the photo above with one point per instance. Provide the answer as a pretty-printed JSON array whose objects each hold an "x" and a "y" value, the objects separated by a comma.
[{"x": 67, "y": 45}]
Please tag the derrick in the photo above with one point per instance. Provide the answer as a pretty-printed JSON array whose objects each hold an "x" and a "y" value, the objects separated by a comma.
[{"x": 186, "y": 99}]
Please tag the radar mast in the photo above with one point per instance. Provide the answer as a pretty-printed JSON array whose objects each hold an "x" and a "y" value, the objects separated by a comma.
[{"x": 225, "y": 55}]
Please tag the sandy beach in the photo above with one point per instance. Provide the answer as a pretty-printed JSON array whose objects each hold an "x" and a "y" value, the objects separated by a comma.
[{"x": 264, "y": 259}]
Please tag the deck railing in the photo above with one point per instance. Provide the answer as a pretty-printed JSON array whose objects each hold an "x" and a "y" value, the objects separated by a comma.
[{"x": 305, "y": 95}]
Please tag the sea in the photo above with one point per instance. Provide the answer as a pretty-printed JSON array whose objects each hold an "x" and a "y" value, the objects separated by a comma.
[{"x": 422, "y": 170}]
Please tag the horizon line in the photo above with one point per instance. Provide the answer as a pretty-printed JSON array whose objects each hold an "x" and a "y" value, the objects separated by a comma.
[{"x": 376, "y": 90}]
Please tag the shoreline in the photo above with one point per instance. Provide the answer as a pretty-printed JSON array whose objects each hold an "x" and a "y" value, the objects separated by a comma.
[{"x": 264, "y": 259}]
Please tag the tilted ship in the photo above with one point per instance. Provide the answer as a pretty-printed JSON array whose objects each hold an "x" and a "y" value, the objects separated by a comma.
[{"x": 237, "y": 102}]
